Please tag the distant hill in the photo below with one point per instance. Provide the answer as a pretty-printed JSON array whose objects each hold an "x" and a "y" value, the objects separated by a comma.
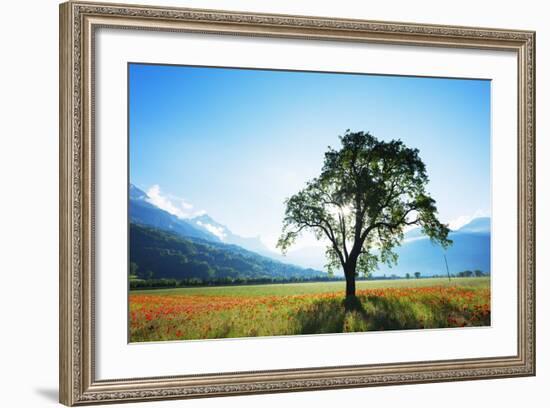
[
  {"x": 481, "y": 225},
  {"x": 160, "y": 254},
  {"x": 471, "y": 250}
]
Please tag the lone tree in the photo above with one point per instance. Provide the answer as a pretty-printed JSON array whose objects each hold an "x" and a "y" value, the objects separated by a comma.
[{"x": 366, "y": 194}]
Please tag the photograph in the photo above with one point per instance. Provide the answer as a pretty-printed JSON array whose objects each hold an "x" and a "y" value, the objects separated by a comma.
[
  {"x": 281, "y": 199},
  {"x": 277, "y": 203}
]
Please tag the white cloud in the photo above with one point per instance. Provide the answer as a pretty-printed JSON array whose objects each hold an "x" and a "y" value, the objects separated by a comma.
[
  {"x": 174, "y": 205},
  {"x": 465, "y": 219},
  {"x": 217, "y": 231}
]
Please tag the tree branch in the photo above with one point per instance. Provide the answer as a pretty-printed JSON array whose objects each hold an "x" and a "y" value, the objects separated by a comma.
[
  {"x": 343, "y": 233},
  {"x": 330, "y": 235}
]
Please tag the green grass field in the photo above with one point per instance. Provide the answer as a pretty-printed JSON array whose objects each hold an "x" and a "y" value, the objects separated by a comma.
[
  {"x": 307, "y": 308},
  {"x": 289, "y": 289}
]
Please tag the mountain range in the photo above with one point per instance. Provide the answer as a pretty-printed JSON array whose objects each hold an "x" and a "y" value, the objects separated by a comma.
[
  {"x": 165, "y": 246},
  {"x": 142, "y": 211},
  {"x": 470, "y": 249}
]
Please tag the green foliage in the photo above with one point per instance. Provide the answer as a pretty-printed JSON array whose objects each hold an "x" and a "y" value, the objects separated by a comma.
[
  {"x": 152, "y": 283},
  {"x": 468, "y": 274},
  {"x": 368, "y": 192}
]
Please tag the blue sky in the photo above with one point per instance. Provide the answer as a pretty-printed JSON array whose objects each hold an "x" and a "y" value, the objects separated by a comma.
[{"x": 235, "y": 143}]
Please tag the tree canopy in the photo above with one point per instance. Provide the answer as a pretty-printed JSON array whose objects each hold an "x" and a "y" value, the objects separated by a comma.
[{"x": 369, "y": 191}]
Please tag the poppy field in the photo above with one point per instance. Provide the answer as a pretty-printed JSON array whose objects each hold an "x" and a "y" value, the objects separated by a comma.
[{"x": 307, "y": 308}]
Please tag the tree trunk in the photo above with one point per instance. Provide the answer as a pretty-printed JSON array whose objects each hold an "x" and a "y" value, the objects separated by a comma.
[
  {"x": 351, "y": 303},
  {"x": 350, "y": 282}
]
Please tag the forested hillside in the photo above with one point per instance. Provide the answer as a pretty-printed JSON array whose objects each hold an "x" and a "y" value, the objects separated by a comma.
[{"x": 156, "y": 254}]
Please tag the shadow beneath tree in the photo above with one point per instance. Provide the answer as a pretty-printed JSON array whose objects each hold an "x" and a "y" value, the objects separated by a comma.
[
  {"x": 326, "y": 316},
  {"x": 357, "y": 315},
  {"x": 393, "y": 315}
]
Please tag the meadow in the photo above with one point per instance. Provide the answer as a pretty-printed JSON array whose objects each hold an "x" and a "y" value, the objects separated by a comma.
[{"x": 307, "y": 308}]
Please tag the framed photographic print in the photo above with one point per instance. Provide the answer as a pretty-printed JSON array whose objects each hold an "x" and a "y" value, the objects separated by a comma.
[{"x": 256, "y": 203}]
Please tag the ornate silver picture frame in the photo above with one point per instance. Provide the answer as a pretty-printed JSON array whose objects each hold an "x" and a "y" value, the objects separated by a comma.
[{"x": 79, "y": 22}]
